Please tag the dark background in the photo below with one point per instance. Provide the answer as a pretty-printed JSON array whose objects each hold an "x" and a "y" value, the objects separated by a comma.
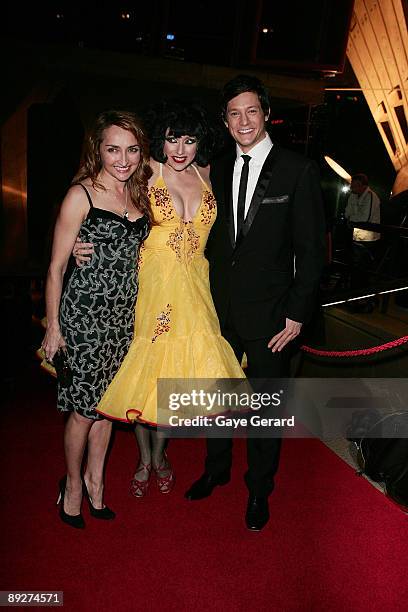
[{"x": 54, "y": 41}]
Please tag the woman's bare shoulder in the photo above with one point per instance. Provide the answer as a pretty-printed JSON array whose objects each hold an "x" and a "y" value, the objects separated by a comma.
[
  {"x": 205, "y": 173},
  {"x": 155, "y": 166},
  {"x": 76, "y": 191},
  {"x": 76, "y": 197}
]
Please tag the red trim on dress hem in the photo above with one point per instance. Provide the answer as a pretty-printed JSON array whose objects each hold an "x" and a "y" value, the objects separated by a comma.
[
  {"x": 144, "y": 422},
  {"x": 127, "y": 421}
]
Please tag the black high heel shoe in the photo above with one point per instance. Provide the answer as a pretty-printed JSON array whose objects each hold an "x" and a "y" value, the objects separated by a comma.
[
  {"x": 73, "y": 520},
  {"x": 104, "y": 513}
]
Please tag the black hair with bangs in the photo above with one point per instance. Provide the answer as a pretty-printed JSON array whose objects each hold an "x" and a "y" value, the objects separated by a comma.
[{"x": 181, "y": 118}]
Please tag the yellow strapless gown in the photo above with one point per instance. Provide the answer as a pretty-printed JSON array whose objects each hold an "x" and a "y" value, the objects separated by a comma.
[{"x": 177, "y": 333}]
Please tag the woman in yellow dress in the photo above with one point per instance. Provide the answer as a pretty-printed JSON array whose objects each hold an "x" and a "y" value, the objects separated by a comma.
[{"x": 177, "y": 333}]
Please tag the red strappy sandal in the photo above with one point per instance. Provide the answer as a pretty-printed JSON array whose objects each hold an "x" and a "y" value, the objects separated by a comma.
[
  {"x": 139, "y": 488},
  {"x": 165, "y": 483}
]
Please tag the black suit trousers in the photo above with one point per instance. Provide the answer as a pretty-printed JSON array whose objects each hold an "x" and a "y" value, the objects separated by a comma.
[{"x": 262, "y": 453}]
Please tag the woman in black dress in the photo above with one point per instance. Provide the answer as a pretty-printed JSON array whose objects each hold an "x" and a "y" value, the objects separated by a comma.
[{"x": 91, "y": 319}]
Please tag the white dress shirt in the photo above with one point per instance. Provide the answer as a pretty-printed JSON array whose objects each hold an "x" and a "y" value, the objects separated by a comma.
[
  {"x": 258, "y": 155},
  {"x": 366, "y": 209}
]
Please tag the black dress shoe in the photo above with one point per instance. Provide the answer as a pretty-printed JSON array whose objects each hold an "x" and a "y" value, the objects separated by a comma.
[
  {"x": 104, "y": 513},
  {"x": 257, "y": 514},
  {"x": 203, "y": 487},
  {"x": 73, "y": 520}
]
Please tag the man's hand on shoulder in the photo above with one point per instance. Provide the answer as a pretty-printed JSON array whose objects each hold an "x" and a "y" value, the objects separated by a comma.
[{"x": 280, "y": 340}]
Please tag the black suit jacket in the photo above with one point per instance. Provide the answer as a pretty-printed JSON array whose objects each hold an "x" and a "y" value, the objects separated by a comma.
[{"x": 274, "y": 271}]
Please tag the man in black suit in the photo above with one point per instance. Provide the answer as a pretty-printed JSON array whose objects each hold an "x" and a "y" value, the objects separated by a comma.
[{"x": 266, "y": 252}]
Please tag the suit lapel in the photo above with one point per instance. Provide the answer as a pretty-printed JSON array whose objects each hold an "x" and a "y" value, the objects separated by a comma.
[
  {"x": 260, "y": 189},
  {"x": 228, "y": 175}
]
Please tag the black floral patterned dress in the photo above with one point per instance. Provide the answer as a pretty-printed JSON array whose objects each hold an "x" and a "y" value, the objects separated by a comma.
[{"x": 98, "y": 308}]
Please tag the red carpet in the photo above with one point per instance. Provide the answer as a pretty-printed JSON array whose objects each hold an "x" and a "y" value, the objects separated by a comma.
[{"x": 334, "y": 543}]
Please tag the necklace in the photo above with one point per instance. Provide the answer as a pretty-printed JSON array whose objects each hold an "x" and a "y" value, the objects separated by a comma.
[{"x": 126, "y": 212}]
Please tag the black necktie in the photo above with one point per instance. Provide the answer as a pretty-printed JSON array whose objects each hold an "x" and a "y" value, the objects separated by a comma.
[{"x": 242, "y": 195}]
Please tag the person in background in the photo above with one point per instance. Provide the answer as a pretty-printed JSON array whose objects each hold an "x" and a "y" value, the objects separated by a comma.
[
  {"x": 363, "y": 206},
  {"x": 90, "y": 321}
]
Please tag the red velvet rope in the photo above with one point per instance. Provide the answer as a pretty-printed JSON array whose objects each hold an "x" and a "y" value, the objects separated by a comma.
[{"x": 357, "y": 352}]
